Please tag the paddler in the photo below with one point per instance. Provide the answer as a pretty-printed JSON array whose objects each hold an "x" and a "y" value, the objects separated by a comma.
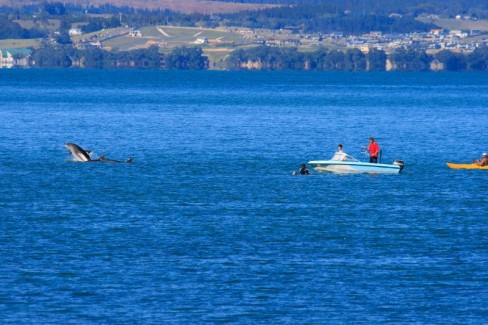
[{"x": 483, "y": 161}]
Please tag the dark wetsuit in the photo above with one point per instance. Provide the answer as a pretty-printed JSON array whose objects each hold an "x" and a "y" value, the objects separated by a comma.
[{"x": 304, "y": 171}]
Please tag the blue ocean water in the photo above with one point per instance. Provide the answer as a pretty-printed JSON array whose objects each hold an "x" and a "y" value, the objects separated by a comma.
[{"x": 209, "y": 225}]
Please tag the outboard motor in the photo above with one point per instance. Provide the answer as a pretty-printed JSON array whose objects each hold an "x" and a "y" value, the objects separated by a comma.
[{"x": 399, "y": 163}]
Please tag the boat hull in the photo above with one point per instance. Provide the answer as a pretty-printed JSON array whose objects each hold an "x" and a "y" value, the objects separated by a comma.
[
  {"x": 347, "y": 167},
  {"x": 466, "y": 166}
]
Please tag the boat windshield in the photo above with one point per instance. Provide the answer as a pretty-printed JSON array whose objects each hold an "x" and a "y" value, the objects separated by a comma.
[{"x": 342, "y": 156}]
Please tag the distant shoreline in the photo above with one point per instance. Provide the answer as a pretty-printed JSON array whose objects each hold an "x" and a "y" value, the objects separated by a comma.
[{"x": 256, "y": 58}]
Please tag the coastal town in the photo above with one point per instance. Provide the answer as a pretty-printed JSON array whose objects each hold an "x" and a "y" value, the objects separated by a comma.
[{"x": 462, "y": 35}]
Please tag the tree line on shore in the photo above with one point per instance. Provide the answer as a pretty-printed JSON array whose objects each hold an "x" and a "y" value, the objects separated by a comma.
[
  {"x": 354, "y": 60},
  {"x": 410, "y": 7},
  {"x": 151, "y": 58},
  {"x": 259, "y": 58}
]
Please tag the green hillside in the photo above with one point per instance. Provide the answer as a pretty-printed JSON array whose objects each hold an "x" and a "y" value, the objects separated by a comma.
[{"x": 171, "y": 37}]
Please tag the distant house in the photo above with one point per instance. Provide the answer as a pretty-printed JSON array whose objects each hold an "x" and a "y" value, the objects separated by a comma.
[
  {"x": 294, "y": 29},
  {"x": 375, "y": 34},
  {"x": 6, "y": 59},
  {"x": 287, "y": 42},
  {"x": 11, "y": 57},
  {"x": 336, "y": 35},
  {"x": 458, "y": 33},
  {"x": 291, "y": 42},
  {"x": 157, "y": 43},
  {"x": 96, "y": 44},
  {"x": 216, "y": 40},
  {"x": 437, "y": 31},
  {"x": 474, "y": 32},
  {"x": 201, "y": 40},
  {"x": 74, "y": 32},
  {"x": 135, "y": 33},
  {"x": 395, "y": 15}
]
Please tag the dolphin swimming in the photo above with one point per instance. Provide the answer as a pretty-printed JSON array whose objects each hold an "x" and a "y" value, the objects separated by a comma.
[
  {"x": 77, "y": 152},
  {"x": 81, "y": 155}
]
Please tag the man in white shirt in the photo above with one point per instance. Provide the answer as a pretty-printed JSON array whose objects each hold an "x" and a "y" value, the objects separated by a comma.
[{"x": 340, "y": 155}]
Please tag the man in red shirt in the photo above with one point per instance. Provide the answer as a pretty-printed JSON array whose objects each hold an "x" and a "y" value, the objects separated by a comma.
[{"x": 374, "y": 150}]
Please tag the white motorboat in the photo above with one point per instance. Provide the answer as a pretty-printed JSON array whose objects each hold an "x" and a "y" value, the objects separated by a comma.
[{"x": 342, "y": 163}]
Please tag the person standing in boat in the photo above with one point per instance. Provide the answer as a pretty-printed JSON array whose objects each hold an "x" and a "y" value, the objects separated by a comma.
[{"x": 374, "y": 151}]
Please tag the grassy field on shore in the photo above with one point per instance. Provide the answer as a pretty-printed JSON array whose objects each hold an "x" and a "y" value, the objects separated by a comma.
[
  {"x": 457, "y": 24},
  {"x": 19, "y": 43}
]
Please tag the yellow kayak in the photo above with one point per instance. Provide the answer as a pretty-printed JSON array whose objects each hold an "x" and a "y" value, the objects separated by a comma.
[{"x": 465, "y": 166}]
